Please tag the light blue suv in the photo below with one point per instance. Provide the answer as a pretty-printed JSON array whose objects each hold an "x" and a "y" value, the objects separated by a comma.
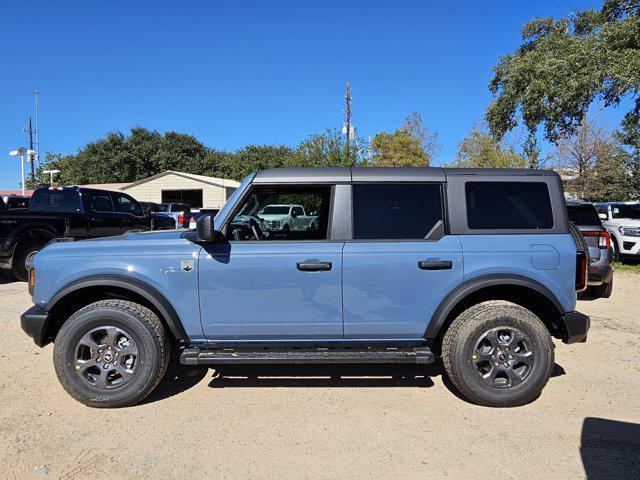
[{"x": 479, "y": 267}]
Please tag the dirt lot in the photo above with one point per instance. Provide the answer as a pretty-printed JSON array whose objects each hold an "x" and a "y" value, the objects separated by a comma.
[{"x": 322, "y": 422}]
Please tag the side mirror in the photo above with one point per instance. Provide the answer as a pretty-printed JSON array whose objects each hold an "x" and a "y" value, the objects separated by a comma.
[
  {"x": 205, "y": 229},
  {"x": 294, "y": 215},
  {"x": 603, "y": 216}
]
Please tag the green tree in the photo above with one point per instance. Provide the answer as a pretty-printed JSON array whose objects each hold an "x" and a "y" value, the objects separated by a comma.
[
  {"x": 327, "y": 149},
  {"x": 411, "y": 145},
  {"x": 563, "y": 65},
  {"x": 253, "y": 158},
  {"x": 629, "y": 137},
  {"x": 480, "y": 149}
]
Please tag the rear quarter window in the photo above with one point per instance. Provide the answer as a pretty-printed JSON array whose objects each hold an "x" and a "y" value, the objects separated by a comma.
[
  {"x": 65, "y": 200},
  {"x": 508, "y": 206},
  {"x": 583, "y": 215}
]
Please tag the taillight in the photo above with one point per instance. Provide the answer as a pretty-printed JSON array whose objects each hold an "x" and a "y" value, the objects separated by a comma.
[
  {"x": 181, "y": 219},
  {"x": 604, "y": 239},
  {"x": 582, "y": 264}
]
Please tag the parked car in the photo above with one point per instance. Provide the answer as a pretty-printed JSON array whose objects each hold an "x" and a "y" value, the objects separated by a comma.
[
  {"x": 622, "y": 221},
  {"x": 396, "y": 271},
  {"x": 179, "y": 212},
  {"x": 65, "y": 212},
  {"x": 202, "y": 212},
  {"x": 15, "y": 202},
  {"x": 159, "y": 222},
  {"x": 585, "y": 217},
  {"x": 287, "y": 218}
]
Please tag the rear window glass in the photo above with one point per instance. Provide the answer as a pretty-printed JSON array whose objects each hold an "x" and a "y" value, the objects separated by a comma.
[
  {"x": 583, "y": 215},
  {"x": 508, "y": 205},
  {"x": 65, "y": 200},
  {"x": 396, "y": 211}
]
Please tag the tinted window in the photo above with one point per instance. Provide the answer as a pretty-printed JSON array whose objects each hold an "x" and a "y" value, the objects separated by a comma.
[
  {"x": 126, "y": 205},
  {"x": 625, "y": 211},
  {"x": 252, "y": 219},
  {"x": 396, "y": 211},
  {"x": 508, "y": 205},
  {"x": 100, "y": 202},
  {"x": 65, "y": 200},
  {"x": 297, "y": 211},
  {"x": 583, "y": 214}
]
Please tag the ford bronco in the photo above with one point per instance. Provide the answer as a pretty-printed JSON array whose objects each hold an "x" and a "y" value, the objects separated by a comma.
[{"x": 478, "y": 267}]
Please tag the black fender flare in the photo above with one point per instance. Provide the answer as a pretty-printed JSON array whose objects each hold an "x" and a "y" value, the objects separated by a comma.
[
  {"x": 467, "y": 288},
  {"x": 139, "y": 287},
  {"x": 19, "y": 231}
]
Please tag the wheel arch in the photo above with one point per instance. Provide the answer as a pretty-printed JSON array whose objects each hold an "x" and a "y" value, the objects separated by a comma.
[
  {"x": 508, "y": 287},
  {"x": 84, "y": 291}
]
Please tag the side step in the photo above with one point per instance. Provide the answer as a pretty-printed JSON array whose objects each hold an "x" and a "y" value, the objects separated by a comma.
[{"x": 196, "y": 356}]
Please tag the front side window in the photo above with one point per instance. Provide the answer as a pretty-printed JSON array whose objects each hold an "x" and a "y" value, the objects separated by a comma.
[
  {"x": 396, "y": 211},
  {"x": 268, "y": 214},
  {"x": 508, "y": 206},
  {"x": 126, "y": 205}
]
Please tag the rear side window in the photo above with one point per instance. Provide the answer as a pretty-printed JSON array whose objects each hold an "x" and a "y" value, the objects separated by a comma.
[
  {"x": 508, "y": 206},
  {"x": 403, "y": 211},
  {"x": 100, "y": 202},
  {"x": 583, "y": 215},
  {"x": 65, "y": 200}
]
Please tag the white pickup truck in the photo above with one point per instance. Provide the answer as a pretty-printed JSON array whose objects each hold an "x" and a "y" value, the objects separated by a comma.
[{"x": 288, "y": 218}]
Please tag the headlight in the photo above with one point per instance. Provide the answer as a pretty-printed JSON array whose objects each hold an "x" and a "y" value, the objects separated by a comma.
[
  {"x": 275, "y": 224},
  {"x": 629, "y": 231}
]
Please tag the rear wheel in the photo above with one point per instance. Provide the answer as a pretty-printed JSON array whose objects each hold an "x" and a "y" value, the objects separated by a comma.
[
  {"x": 602, "y": 291},
  {"x": 23, "y": 254},
  {"x": 111, "y": 353},
  {"x": 498, "y": 355}
]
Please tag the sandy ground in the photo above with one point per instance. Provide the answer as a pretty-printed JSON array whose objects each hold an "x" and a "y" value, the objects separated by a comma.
[{"x": 324, "y": 422}]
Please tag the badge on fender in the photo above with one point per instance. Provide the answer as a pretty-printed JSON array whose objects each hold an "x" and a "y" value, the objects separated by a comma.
[{"x": 187, "y": 265}]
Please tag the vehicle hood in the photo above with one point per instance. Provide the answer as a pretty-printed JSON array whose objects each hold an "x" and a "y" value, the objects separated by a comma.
[
  {"x": 620, "y": 222},
  {"x": 274, "y": 216}
]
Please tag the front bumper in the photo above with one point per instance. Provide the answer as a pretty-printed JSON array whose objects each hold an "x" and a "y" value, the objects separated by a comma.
[
  {"x": 34, "y": 322},
  {"x": 577, "y": 326}
]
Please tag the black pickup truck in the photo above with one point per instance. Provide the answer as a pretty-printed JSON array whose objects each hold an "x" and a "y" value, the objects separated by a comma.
[{"x": 56, "y": 212}]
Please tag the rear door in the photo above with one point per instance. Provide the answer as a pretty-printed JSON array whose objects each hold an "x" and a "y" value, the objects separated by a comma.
[{"x": 401, "y": 263}]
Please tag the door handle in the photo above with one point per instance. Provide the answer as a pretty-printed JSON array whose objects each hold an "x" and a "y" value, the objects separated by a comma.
[
  {"x": 314, "y": 266},
  {"x": 433, "y": 264}
]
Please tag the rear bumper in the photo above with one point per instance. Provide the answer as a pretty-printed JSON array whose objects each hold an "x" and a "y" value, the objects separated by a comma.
[
  {"x": 577, "y": 326},
  {"x": 34, "y": 322},
  {"x": 599, "y": 275}
]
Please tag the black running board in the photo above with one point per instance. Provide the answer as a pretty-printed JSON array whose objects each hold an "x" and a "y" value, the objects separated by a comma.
[{"x": 196, "y": 356}]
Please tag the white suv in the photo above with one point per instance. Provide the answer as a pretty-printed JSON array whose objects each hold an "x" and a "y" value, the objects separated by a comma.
[{"x": 622, "y": 221}]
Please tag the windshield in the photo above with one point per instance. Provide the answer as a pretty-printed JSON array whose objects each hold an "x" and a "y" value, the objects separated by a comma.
[
  {"x": 163, "y": 207},
  {"x": 626, "y": 211},
  {"x": 583, "y": 215},
  {"x": 275, "y": 210}
]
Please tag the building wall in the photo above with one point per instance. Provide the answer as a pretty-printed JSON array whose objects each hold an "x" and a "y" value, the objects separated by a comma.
[{"x": 212, "y": 196}]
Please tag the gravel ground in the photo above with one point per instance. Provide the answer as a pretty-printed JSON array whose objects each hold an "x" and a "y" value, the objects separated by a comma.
[{"x": 321, "y": 422}]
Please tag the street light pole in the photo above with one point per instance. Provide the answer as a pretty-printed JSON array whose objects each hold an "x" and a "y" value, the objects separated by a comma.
[
  {"x": 51, "y": 173},
  {"x": 21, "y": 152}
]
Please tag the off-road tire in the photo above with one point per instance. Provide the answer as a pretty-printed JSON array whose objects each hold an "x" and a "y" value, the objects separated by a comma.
[
  {"x": 18, "y": 267},
  {"x": 459, "y": 344},
  {"x": 146, "y": 329}
]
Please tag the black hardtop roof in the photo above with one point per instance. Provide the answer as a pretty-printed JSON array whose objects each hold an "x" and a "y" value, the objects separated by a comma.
[{"x": 380, "y": 174}]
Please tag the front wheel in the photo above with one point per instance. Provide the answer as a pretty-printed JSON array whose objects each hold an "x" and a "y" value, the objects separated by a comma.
[
  {"x": 111, "y": 353},
  {"x": 498, "y": 355}
]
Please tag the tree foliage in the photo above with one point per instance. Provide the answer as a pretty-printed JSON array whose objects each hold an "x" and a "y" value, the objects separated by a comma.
[
  {"x": 480, "y": 149},
  {"x": 594, "y": 164},
  {"x": 411, "y": 145},
  {"x": 563, "y": 65}
]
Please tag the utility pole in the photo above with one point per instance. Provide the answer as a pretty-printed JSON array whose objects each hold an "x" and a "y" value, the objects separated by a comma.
[
  {"x": 37, "y": 92},
  {"x": 348, "y": 98},
  {"x": 30, "y": 132}
]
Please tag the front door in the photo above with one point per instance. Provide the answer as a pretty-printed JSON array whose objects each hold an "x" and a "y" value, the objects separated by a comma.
[
  {"x": 400, "y": 264},
  {"x": 263, "y": 286}
]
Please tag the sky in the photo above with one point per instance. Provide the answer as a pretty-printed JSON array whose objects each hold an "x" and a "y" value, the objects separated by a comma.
[{"x": 251, "y": 72}]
